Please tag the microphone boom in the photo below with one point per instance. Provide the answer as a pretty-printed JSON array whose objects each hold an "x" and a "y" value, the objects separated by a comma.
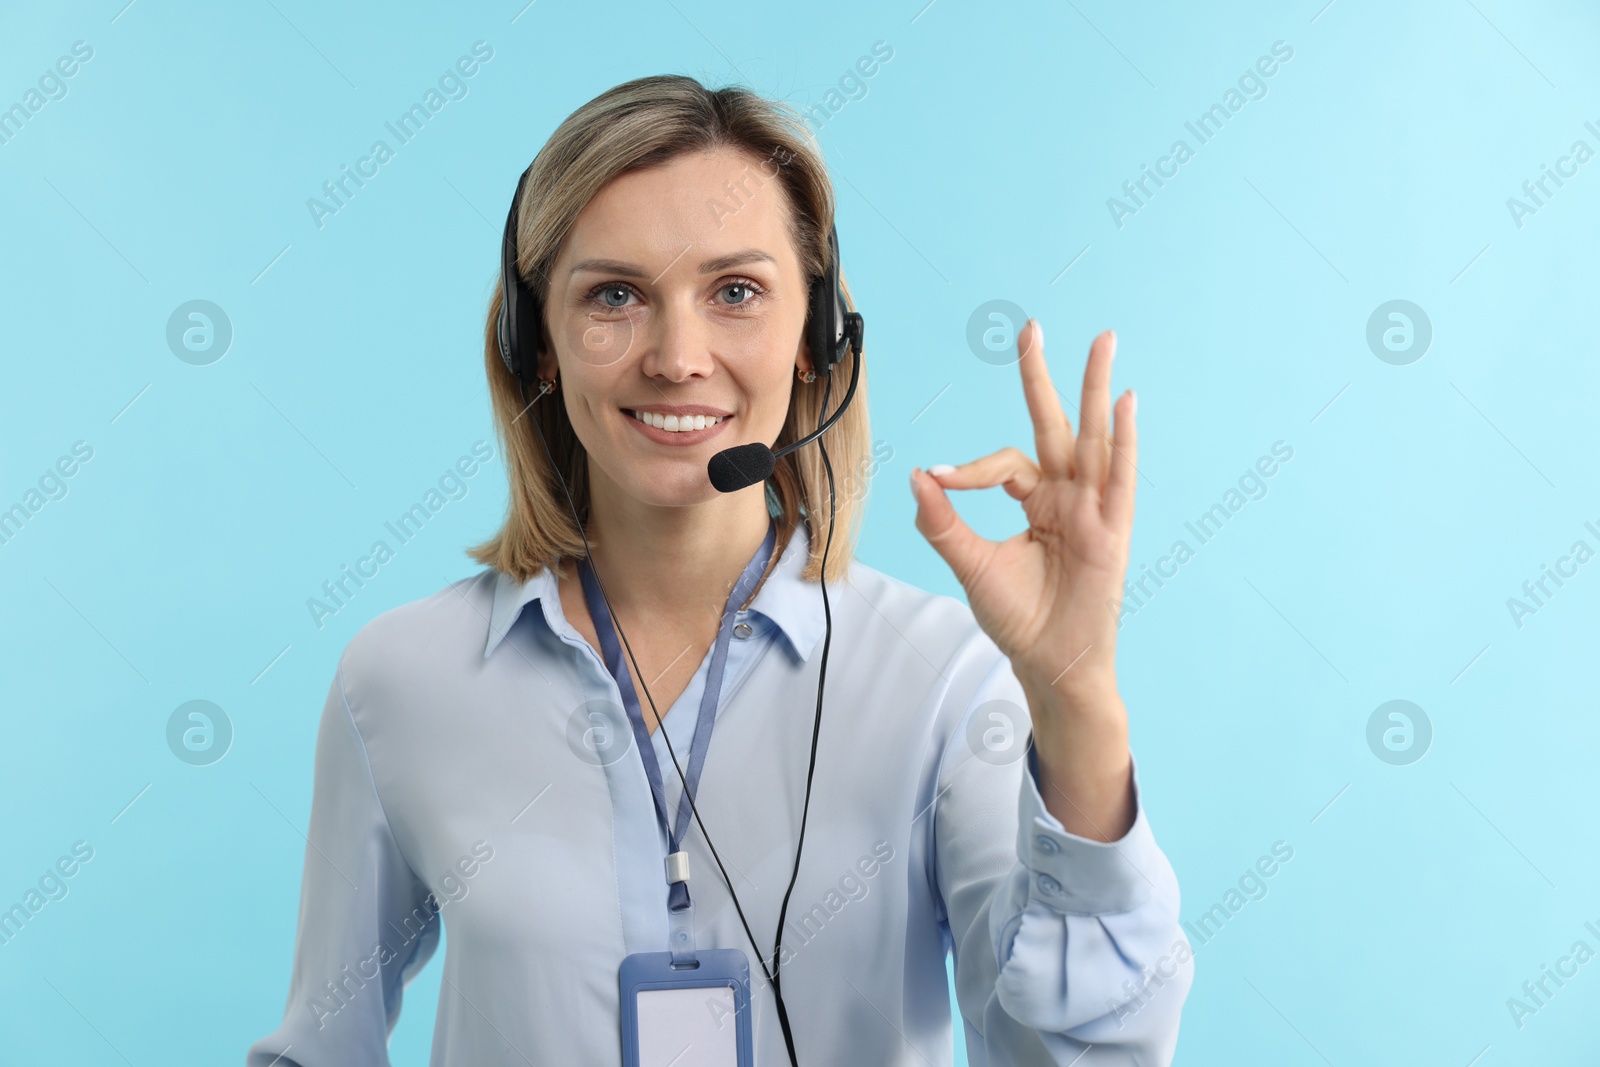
[{"x": 742, "y": 466}]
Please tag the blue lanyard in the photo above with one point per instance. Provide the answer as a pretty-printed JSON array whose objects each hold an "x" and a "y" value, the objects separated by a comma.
[{"x": 678, "y": 896}]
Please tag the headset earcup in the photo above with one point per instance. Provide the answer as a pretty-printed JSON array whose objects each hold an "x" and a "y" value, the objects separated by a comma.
[
  {"x": 819, "y": 326},
  {"x": 523, "y": 329},
  {"x": 522, "y": 332},
  {"x": 530, "y": 332}
]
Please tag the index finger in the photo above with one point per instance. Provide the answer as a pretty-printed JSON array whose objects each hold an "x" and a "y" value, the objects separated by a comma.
[{"x": 1052, "y": 432}]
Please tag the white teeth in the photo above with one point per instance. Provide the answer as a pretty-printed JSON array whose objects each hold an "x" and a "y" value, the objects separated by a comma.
[{"x": 677, "y": 423}]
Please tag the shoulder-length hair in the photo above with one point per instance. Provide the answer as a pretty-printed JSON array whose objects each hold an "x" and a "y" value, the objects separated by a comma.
[{"x": 640, "y": 124}]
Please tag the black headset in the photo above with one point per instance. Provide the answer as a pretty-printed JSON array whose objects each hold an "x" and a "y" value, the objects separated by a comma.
[{"x": 830, "y": 328}]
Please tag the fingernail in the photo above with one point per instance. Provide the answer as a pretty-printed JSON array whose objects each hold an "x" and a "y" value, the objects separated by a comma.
[
  {"x": 1133, "y": 402},
  {"x": 914, "y": 478},
  {"x": 1038, "y": 330},
  {"x": 942, "y": 468}
]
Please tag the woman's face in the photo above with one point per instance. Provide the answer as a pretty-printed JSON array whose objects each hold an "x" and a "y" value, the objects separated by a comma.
[{"x": 678, "y": 291}]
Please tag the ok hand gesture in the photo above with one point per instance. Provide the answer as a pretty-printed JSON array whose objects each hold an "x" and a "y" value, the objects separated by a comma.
[{"x": 1048, "y": 596}]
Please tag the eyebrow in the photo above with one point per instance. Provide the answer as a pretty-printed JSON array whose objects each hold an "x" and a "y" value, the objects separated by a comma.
[{"x": 710, "y": 266}]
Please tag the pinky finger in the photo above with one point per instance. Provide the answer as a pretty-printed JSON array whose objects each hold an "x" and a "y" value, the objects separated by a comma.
[{"x": 1124, "y": 463}]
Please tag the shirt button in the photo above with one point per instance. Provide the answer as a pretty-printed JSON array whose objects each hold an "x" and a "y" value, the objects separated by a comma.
[
  {"x": 742, "y": 629},
  {"x": 1047, "y": 844},
  {"x": 1049, "y": 884}
]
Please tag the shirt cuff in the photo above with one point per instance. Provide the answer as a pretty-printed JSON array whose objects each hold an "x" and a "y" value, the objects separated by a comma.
[{"x": 1072, "y": 874}]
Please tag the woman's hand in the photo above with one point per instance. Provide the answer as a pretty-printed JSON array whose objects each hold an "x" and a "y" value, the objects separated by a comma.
[{"x": 1048, "y": 597}]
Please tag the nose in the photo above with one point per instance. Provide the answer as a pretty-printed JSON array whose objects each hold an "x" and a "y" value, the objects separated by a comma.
[{"x": 678, "y": 343}]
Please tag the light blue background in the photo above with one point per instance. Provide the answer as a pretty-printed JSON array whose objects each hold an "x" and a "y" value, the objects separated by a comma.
[{"x": 976, "y": 167}]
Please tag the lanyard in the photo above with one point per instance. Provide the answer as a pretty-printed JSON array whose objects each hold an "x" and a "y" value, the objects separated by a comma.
[{"x": 678, "y": 902}]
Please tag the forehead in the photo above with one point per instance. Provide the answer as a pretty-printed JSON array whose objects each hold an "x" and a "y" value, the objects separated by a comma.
[{"x": 722, "y": 200}]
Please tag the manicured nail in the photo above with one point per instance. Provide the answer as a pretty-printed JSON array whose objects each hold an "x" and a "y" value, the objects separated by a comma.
[
  {"x": 942, "y": 468},
  {"x": 1038, "y": 331}
]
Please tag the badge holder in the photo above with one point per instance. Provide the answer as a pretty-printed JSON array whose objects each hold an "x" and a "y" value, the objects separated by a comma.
[
  {"x": 685, "y": 1008},
  {"x": 686, "y": 1016}
]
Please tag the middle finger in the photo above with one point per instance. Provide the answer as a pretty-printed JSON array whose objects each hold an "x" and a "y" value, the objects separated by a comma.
[{"x": 1094, "y": 438}]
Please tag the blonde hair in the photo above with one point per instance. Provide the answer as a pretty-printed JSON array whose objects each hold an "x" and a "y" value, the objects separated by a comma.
[{"x": 640, "y": 124}]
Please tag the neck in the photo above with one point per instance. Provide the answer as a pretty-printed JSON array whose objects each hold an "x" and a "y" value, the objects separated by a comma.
[{"x": 672, "y": 563}]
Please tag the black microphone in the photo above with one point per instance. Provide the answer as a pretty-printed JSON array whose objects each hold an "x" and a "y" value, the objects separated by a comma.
[{"x": 742, "y": 466}]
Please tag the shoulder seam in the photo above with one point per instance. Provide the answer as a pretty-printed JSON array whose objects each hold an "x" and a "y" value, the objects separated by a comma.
[{"x": 366, "y": 762}]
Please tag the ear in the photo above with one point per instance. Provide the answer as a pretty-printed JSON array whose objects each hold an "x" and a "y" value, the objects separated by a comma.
[
  {"x": 545, "y": 363},
  {"x": 803, "y": 361},
  {"x": 545, "y": 366}
]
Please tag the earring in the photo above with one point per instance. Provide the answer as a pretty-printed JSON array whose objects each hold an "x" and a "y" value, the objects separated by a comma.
[
  {"x": 546, "y": 385},
  {"x": 805, "y": 376}
]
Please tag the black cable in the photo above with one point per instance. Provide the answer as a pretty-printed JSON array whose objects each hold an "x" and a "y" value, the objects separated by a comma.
[
  {"x": 771, "y": 976},
  {"x": 816, "y": 729}
]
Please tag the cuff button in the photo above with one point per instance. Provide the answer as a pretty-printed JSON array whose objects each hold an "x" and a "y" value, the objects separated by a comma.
[{"x": 1049, "y": 884}]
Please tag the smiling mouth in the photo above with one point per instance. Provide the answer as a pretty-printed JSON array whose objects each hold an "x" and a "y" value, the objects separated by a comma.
[{"x": 675, "y": 423}]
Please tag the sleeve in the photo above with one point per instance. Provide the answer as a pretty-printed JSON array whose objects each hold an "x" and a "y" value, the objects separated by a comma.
[
  {"x": 367, "y": 923},
  {"x": 1067, "y": 950}
]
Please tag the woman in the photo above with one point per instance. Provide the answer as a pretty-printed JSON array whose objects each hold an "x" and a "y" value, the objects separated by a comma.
[{"x": 483, "y": 762}]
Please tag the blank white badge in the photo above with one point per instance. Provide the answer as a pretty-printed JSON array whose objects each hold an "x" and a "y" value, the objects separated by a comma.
[{"x": 688, "y": 1027}]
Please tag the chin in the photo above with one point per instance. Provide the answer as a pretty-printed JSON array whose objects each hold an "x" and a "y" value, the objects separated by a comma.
[
  {"x": 687, "y": 496},
  {"x": 675, "y": 483}
]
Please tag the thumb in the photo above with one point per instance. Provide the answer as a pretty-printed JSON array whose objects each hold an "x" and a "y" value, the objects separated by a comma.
[{"x": 945, "y": 530}]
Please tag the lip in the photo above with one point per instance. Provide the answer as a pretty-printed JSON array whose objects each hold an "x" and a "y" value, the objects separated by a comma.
[
  {"x": 680, "y": 409},
  {"x": 679, "y": 438}
]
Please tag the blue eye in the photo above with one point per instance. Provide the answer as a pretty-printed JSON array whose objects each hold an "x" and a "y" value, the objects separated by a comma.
[
  {"x": 750, "y": 290},
  {"x": 614, "y": 295}
]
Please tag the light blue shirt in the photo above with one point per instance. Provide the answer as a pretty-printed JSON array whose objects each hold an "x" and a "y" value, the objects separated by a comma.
[{"x": 473, "y": 767}]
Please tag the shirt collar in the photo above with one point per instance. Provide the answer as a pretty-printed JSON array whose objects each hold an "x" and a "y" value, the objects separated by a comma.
[{"x": 792, "y": 604}]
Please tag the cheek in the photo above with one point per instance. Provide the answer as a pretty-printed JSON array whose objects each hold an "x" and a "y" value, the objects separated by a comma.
[
  {"x": 597, "y": 342},
  {"x": 592, "y": 409},
  {"x": 772, "y": 396}
]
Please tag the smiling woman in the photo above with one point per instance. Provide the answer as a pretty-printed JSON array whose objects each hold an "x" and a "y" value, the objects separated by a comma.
[
  {"x": 640, "y": 337},
  {"x": 624, "y": 242}
]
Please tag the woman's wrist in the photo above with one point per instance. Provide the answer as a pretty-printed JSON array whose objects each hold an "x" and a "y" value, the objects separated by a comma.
[{"x": 1085, "y": 767}]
